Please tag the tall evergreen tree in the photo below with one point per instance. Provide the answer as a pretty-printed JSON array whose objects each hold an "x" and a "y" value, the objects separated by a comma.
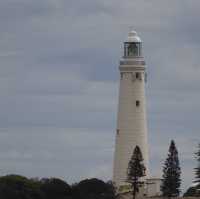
[
  {"x": 136, "y": 170},
  {"x": 197, "y": 169},
  {"x": 171, "y": 181}
]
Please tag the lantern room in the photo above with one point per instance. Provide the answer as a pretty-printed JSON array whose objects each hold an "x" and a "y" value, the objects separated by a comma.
[{"x": 133, "y": 47}]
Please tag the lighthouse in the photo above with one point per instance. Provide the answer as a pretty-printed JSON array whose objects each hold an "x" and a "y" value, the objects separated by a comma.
[{"x": 131, "y": 119}]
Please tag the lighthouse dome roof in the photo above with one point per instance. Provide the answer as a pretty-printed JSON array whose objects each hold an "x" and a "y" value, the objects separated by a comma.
[{"x": 133, "y": 37}]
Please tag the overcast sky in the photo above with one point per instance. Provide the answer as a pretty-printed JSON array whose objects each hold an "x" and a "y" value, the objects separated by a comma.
[{"x": 59, "y": 83}]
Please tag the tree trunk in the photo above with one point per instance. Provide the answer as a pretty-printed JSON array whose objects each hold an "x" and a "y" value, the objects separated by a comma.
[
  {"x": 134, "y": 190},
  {"x": 134, "y": 194}
]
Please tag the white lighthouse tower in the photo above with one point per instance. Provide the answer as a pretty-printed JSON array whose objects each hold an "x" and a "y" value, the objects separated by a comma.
[{"x": 131, "y": 120}]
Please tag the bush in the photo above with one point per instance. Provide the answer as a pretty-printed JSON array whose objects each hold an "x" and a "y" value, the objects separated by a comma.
[
  {"x": 93, "y": 189},
  {"x": 55, "y": 188},
  {"x": 19, "y": 187},
  {"x": 193, "y": 192}
]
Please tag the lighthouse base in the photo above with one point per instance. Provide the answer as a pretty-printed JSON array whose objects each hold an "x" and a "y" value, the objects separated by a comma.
[
  {"x": 125, "y": 191},
  {"x": 150, "y": 188}
]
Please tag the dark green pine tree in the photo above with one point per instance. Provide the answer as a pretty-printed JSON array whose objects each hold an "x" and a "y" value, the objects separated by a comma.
[
  {"x": 171, "y": 181},
  {"x": 197, "y": 169},
  {"x": 136, "y": 170}
]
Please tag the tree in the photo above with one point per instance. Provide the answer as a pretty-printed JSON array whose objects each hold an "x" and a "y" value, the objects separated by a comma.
[
  {"x": 171, "y": 181},
  {"x": 55, "y": 188},
  {"x": 193, "y": 191},
  {"x": 19, "y": 187},
  {"x": 93, "y": 189},
  {"x": 197, "y": 169},
  {"x": 136, "y": 170}
]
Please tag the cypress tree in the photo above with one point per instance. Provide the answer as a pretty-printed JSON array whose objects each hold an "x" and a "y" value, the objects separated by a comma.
[
  {"x": 136, "y": 170},
  {"x": 197, "y": 169},
  {"x": 171, "y": 181}
]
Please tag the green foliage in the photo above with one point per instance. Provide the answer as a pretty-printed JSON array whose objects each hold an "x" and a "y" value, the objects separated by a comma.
[
  {"x": 171, "y": 173},
  {"x": 93, "y": 189},
  {"x": 136, "y": 170},
  {"x": 19, "y": 187},
  {"x": 193, "y": 192},
  {"x": 197, "y": 169},
  {"x": 55, "y": 188}
]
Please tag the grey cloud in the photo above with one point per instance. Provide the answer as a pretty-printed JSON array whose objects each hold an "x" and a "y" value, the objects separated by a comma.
[{"x": 60, "y": 149}]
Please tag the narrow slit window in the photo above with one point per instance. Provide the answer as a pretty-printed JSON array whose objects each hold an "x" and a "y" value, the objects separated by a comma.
[
  {"x": 121, "y": 76},
  {"x": 137, "y": 103},
  {"x": 137, "y": 75}
]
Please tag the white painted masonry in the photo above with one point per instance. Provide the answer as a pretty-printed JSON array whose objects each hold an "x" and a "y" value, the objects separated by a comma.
[
  {"x": 131, "y": 118},
  {"x": 153, "y": 187}
]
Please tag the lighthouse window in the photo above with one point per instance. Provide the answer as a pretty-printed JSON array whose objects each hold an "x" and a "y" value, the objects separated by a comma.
[
  {"x": 137, "y": 103},
  {"x": 138, "y": 75},
  {"x": 132, "y": 49},
  {"x": 121, "y": 75}
]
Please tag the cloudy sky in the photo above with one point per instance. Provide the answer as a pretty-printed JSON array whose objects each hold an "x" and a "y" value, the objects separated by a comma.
[{"x": 59, "y": 83}]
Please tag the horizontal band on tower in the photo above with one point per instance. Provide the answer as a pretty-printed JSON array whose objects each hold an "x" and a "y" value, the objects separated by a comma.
[
  {"x": 132, "y": 62},
  {"x": 129, "y": 68}
]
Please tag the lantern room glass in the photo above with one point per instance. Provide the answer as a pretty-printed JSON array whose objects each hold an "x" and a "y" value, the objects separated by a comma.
[{"x": 132, "y": 49}]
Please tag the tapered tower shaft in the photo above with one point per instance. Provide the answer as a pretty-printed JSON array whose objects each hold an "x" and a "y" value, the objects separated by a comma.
[{"x": 131, "y": 119}]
